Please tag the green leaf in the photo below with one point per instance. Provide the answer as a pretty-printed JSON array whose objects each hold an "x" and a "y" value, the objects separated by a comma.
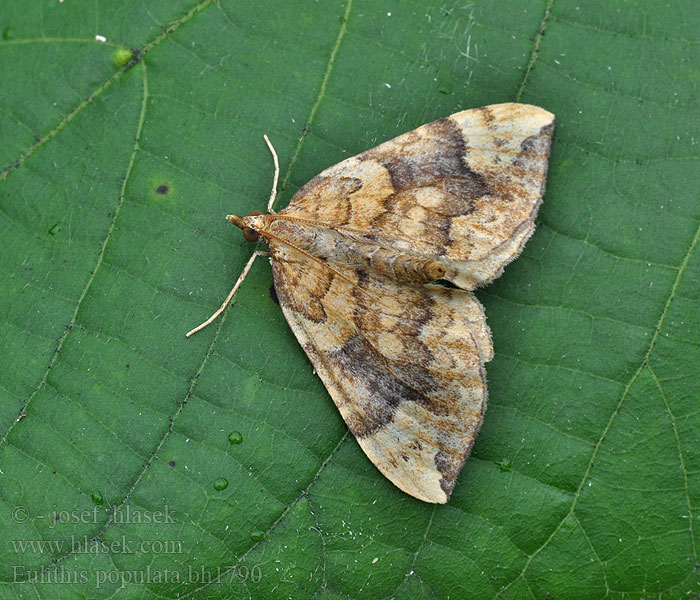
[{"x": 137, "y": 464}]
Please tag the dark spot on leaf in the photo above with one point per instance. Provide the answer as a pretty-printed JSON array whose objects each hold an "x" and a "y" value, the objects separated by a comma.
[
  {"x": 162, "y": 190},
  {"x": 172, "y": 463}
]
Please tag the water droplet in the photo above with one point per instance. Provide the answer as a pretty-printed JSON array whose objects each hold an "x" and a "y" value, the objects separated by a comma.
[
  {"x": 504, "y": 465},
  {"x": 235, "y": 437},
  {"x": 122, "y": 56},
  {"x": 258, "y": 535},
  {"x": 97, "y": 498},
  {"x": 220, "y": 483},
  {"x": 445, "y": 86}
]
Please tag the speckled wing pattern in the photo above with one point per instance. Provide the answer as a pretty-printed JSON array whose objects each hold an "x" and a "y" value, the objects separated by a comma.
[{"x": 357, "y": 256}]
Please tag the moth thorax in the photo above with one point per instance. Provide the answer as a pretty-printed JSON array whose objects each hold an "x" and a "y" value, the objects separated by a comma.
[
  {"x": 404, "y": 267},
  {"x": 255, "y": 220}
]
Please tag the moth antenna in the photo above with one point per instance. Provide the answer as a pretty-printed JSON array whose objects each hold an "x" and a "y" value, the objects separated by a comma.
[
  {"x": 232, "y": 293},
  {"x": 273, "y": 193}
]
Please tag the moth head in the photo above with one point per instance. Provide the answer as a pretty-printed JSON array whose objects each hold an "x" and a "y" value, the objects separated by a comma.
[{"x": 250, "y": 225}]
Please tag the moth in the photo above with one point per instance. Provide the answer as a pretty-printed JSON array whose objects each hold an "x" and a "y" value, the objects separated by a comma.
[{"x": 374, "y": 261}]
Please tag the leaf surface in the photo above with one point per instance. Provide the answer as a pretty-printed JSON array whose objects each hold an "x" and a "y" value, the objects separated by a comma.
[{"x": 137, "y": 464}]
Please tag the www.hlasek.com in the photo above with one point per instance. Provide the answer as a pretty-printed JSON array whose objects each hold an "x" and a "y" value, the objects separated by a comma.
[
  {"x": 90, "y": 545},
  {"x": 231, "y": 574}
]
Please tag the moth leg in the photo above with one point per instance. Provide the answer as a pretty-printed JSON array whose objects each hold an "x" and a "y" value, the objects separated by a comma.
[
  {"x": 273, "y": 193},
  {"x": 232, "y": 293}
]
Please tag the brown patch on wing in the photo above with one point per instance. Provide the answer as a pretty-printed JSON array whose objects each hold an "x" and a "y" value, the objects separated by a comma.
[
  {"x": 450, "y": 466},
  {"x": 487, "y": 116},
  {"x": 535, "y": 148},
  {"x": 301, "y": 290},
  {"x": 386, "y": 383},
  {"x": 540, "y": 143},
  {"x": 432, "y": 156}
]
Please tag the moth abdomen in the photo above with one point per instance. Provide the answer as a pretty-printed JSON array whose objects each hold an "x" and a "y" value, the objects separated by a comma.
[{"x": 406, "y": 267}]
